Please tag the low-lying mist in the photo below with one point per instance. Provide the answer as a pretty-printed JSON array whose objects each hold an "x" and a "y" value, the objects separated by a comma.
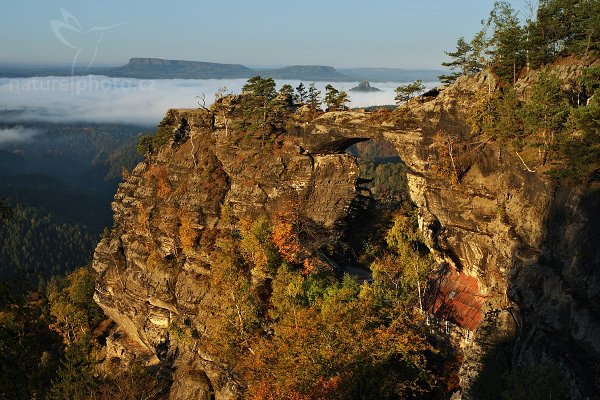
[
  {"x": 99, "y": 99},
  {"x": 17, "y": 134}
]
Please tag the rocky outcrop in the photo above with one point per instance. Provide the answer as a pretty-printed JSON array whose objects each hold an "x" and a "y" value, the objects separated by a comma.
[
  {"x": 532, "y": 247},
  {"x": 364, "y": 86},
  {"x": 154, "y": 268}
]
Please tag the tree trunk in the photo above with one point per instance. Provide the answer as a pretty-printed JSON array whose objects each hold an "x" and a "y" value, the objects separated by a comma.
[
  {"x": 265, "y": 110},
  {"x": 589, "y": 43},
  {"x": 450, "y": 152}
]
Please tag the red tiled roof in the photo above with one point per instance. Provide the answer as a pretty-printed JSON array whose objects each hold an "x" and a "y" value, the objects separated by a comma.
[{"x": 454, "y": 296}]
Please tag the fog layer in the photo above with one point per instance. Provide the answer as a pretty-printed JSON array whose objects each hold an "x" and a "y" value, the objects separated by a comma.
[
  {"x": 17, "y": 134},
  {"x": 131, "y": 101}
]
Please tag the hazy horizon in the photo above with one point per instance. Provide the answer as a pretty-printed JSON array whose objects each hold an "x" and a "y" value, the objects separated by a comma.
[
  {"x": 252, "y": 66},
  {"x": 348, "y": 34}
]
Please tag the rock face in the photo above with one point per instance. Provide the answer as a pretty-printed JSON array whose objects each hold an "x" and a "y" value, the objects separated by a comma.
[
  {"x": 532, "y": 247},
  {"x": 151, "y": 276},
  {"x": 365, "y": 86}
]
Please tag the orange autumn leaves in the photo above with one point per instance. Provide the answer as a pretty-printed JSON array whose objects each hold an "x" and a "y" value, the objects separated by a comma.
[
  {"x": 289, "y": 328},
  {"x": 265, "y": 244},
  {"x": 341, "y": 346},
  {"x": 286, "y": 240}
]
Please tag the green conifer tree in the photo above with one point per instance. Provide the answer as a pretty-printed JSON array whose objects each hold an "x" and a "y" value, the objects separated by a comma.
[
  {"x": 508, "y": 41},
  {"x": 314, "y": 97},
  {"x": 301, "y": 94},
  {"x": 76, "y": 374},
  {"x": 406, "y": 92},
  {"x": 460, "y": 61},
  {"x": 331, "y": 94}
]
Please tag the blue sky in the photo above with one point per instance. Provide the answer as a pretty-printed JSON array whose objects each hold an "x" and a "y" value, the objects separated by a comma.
[{"x": 388, "y": 33}]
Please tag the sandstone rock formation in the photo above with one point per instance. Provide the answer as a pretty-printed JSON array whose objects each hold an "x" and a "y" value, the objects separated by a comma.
[
  {"x": 151, "y": 276},
  {"x": 532, "y": 247}
]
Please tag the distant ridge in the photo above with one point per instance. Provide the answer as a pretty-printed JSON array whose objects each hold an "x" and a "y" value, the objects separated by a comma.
[
  {"x": 158, "y": 68},
  {"x": 304, "y": 72},
  {"x": 392, "y": 74}
]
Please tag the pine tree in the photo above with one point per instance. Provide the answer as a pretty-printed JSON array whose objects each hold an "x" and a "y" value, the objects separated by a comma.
[
  {"x": 286, "y": 95},
  {"x": 336, "y": 100},
  {"x": 591, "y": 26},
  {"x": 4, "y": 210},
  {"x": 406, "y": 92},
  {"x": 286, "y": 90},
  {"x": 263, "y": 89},
  {"x": 460, "y": 60},
  {"x": 76, "y": 375},
  {"x": 342, "y": 99},
  {"x": 545, "y": 114},
  {"x": 314, "y": 97},
  {"x": 331, "y": 97},
  {"x": 508, "y": 39},
  {"x": 301, "y": 94},
  {"x": 480, "y": 44}
]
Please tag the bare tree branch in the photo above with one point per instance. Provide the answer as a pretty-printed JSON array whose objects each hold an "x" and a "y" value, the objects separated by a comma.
[{"x": 525, "y": 165}]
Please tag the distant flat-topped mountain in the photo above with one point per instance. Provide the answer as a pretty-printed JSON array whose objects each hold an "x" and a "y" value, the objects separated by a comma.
[{"x": 156, "y": 68}]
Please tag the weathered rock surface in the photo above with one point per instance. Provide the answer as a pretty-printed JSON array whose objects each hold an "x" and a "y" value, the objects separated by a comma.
[
  {"x": 150, "y": 277},
  {"x": 533, "y": 247}
]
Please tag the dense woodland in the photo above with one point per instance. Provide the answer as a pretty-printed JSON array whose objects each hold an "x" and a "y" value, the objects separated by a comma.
[
  {"x": 51, "y": 331},
  {"x": 55, "y": 193},
  {"x": 58, "y": 186}
]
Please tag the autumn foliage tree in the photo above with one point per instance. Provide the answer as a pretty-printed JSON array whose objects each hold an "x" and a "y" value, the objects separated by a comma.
[
  {"x": 340, "y": 347},
  {"x": 257, "y": 246},
  {"x": 71, "y": 304},
  {"x": 286, "y": 240},
  {"x": 319, "y": 337}
]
